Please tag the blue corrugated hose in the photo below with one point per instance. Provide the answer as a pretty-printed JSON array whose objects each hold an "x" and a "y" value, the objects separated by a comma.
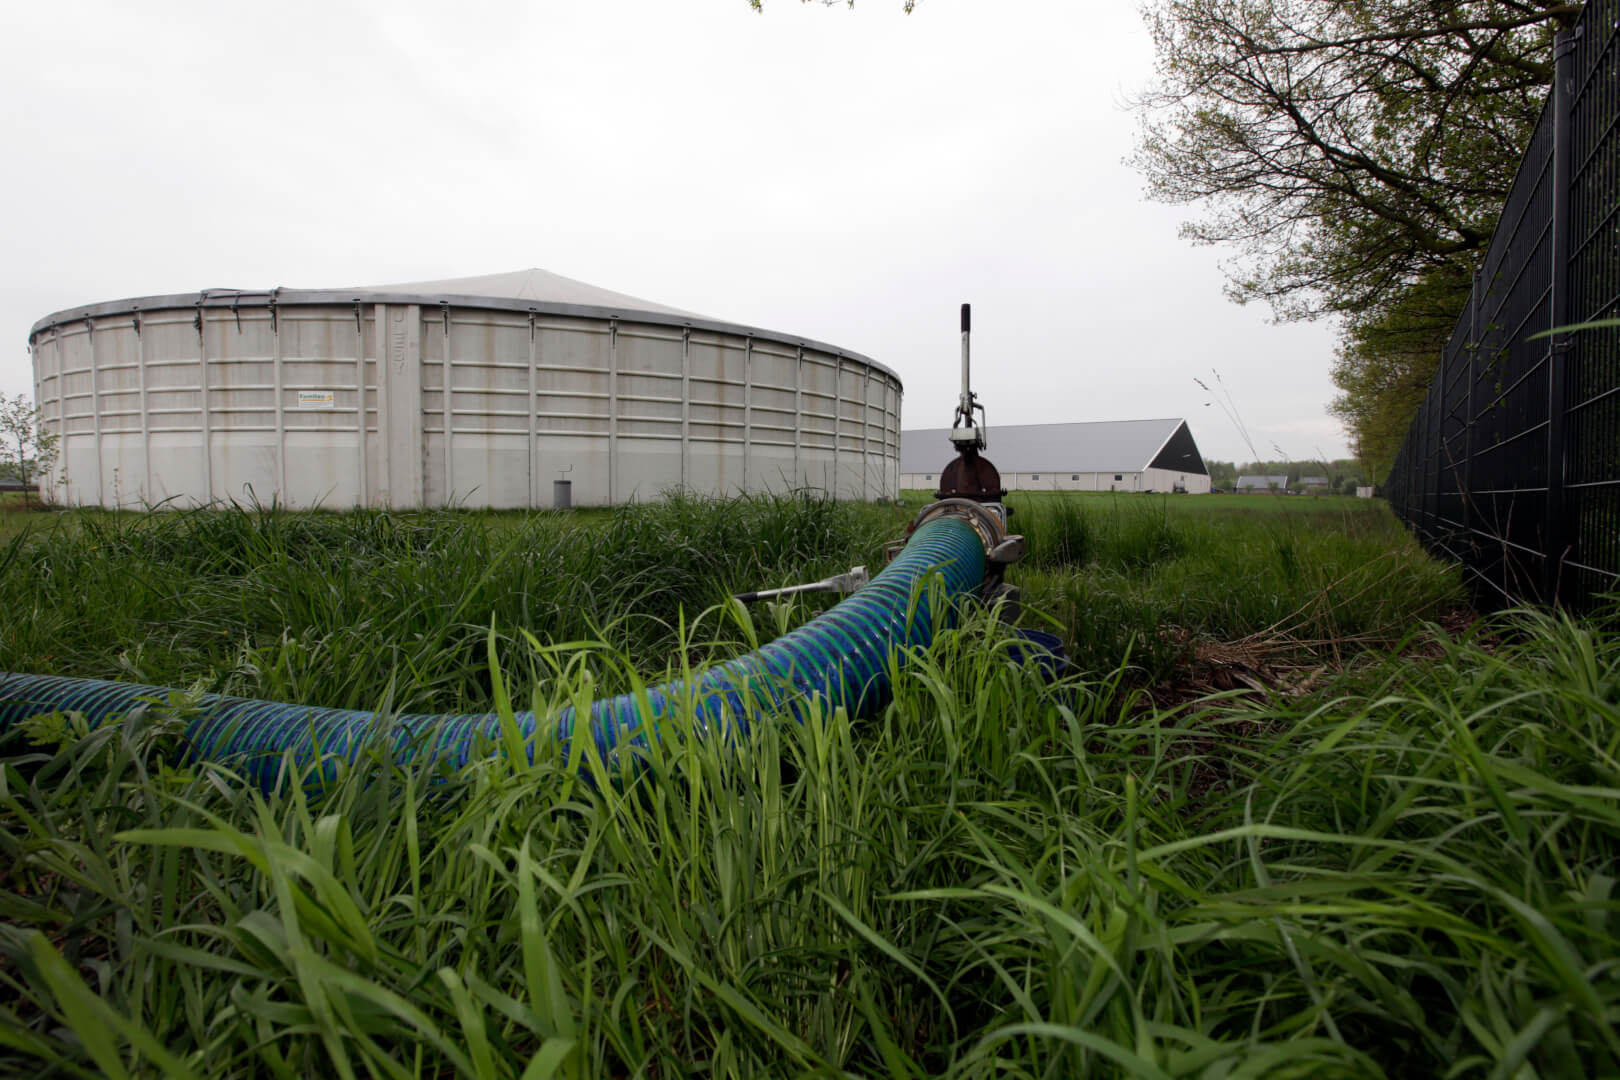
[{"x": 839, "y": 658}]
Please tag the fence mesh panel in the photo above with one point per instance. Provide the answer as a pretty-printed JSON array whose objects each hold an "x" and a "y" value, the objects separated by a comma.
[{"x": 1512, "y": 464}]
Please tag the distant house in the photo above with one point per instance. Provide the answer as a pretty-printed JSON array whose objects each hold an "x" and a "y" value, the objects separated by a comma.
[
  {"x": 1262, "y": 483},
  {"x": 1314, "y": 485},
  {"x": 1107, "y": 455},
  {"x": 9, "y": 481}
]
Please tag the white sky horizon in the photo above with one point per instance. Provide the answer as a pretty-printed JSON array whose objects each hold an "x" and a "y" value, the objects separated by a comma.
[{"x": 850, "y": 176}]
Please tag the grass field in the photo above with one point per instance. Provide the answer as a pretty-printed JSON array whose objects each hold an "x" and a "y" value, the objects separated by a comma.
[
  {"x": 14, "y": 512},
  {"x": 1389, "y": 849}
]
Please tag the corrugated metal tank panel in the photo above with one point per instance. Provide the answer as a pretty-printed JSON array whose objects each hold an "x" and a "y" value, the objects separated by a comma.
[{"x": 312, "y": 405}]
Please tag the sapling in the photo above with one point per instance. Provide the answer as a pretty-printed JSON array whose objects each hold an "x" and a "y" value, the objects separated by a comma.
[{"x": 26, "y": 448}]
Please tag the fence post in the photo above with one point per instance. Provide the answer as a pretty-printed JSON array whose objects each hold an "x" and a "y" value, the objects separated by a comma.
[
  {"x": 1556, "y": 533},
  {"x": 1466, "y": 481},
  {"x": 1443, "y": 459},
  {"x": 1438, "y": 453}
]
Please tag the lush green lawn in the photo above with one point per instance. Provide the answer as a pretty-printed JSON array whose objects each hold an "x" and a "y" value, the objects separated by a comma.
[
  {"x": 345, "y": 609},
  {"x": 1155, "y": 577},
  {"x": 1404, "y": 863},
  {"x": 18, "y": 514},
  {"x": 349, "y": 609},
  {"x": 15, "y": 515}
]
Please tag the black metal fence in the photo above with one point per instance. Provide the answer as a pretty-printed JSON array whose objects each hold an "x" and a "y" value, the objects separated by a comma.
[{"x": 1512, "y": 466}]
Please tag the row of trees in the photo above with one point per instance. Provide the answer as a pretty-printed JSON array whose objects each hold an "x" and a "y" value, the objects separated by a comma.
[{"x": 1354, "y": 155}]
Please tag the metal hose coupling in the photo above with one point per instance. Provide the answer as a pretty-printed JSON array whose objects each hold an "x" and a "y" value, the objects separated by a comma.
[{"x": 1001, "y": 548}]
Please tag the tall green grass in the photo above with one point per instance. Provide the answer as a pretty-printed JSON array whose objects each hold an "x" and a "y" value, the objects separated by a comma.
[
  {"x": 1409, "y": 870},
  {"x": 348, "y": 610},
  {"x": 351, "y": 609},
  {"x": 1154, "y": 576},
  {"x": 1412, "y": 873}
]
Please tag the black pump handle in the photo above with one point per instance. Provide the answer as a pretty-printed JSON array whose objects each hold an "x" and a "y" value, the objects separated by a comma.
[{"x": 967, "y": 317}]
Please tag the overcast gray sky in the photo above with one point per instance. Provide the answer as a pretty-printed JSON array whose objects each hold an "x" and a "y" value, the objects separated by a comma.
[{"x": 847, "y": 175}]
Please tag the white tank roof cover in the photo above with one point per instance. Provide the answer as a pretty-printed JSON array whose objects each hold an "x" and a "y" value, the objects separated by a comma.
[
  {"x": 541, "y": 286},
  {"x": 532, "y": 289}
]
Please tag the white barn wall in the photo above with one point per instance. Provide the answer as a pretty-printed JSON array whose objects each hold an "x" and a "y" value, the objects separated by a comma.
[
  {"x": 1069, "y": 481},
  {"x": 1113, "y": 442},
  {"x": 1145, "y": 480},
  {"x": 1166, "y": 479}
]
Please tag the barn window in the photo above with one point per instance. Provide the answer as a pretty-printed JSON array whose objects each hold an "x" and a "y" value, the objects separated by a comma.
[
  {"x": 1119, "y": 476},
  {"x": 1035, "y": 476},
  {"x": 1074, "y": 476}
]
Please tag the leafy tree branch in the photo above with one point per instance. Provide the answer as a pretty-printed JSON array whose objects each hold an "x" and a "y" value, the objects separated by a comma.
[{"x": 1354, "y": 155}]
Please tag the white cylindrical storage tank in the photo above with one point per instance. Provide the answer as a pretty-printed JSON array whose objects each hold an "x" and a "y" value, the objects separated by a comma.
[{"x": 472, "y": 392}]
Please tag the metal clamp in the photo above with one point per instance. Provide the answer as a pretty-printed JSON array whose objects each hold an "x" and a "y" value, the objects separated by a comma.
[
  {"x": 988, "y": 519},
  {"x": 1001, "y": 549}
]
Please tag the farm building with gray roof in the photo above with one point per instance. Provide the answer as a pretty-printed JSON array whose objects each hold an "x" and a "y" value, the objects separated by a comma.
[{"x": 1106, "y": 455}]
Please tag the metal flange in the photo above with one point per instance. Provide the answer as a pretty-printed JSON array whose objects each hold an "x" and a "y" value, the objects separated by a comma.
[{"x": 991, "y": 526}]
